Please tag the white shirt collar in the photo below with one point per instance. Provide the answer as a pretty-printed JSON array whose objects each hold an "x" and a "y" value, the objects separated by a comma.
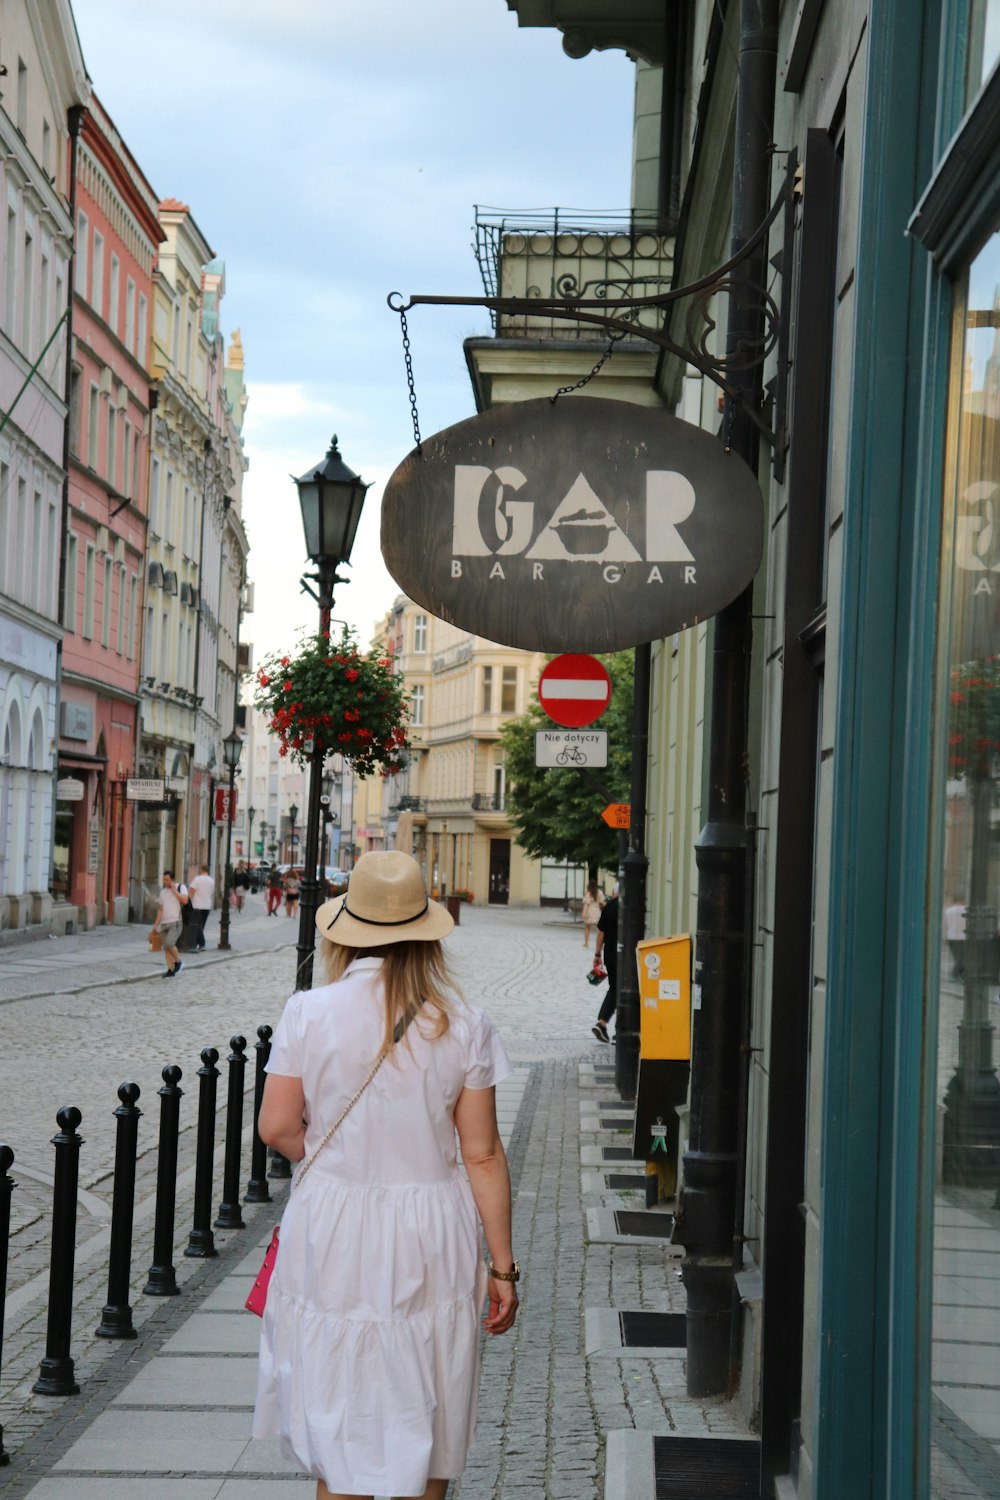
[{"x": 369, "y": 962}]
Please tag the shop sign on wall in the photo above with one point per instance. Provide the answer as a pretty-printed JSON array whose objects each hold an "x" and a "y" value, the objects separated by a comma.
[
  {"x": 580, "y": 526},
  {"x": 69, "y": 789}
]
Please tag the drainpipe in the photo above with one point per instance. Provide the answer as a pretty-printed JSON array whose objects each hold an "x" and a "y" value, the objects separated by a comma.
[
  {"x": 709, "y": 1209},
  {"x": 74, "y": 122}
]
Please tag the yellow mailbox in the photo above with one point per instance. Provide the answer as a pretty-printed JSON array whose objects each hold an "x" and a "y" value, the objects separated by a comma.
[{"x": 664, "y": 966}]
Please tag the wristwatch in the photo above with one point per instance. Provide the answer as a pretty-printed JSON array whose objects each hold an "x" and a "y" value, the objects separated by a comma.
[{"x": 514, "y": 1275}]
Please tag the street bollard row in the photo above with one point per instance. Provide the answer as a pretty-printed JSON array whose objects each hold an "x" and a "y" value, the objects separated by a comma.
[{"x": 56, "y": 1375}]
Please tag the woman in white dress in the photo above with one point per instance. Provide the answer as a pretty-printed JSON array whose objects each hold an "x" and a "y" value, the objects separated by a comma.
[{"x": 369, "y": 1359}]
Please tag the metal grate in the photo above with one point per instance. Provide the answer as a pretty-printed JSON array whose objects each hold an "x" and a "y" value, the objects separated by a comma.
[
  {"x": 625, "y": 1179},
  {"x": 645, "y": 1226},
  {"x": 617, "y": 1153},
  {"x": 646, "y": 1330},
  {"x": 706, "y": 1468}
]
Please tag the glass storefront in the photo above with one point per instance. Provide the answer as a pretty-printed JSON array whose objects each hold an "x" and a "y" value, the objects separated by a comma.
[
  {"x": 62, "y": 868},
  {"x": 965, "y": 1362}
]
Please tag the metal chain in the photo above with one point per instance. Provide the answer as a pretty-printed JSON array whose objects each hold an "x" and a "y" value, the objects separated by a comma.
[
  {"x": 409, "y": 378},
  {"x": 566, "y": 390}
]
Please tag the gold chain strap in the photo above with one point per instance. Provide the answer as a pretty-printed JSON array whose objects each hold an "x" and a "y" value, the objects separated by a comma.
[{"x": 340, "y": 1119}]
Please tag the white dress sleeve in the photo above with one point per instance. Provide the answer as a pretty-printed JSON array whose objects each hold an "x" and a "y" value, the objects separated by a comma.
[
  {"x": 286, "y": 1043},
  {"x": 487, "y": 1062}
]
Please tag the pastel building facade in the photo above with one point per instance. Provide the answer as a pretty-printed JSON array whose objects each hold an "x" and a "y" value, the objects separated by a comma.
[
  {"x": 117, "y": 237},
  {"x": 45, "y": 80}
]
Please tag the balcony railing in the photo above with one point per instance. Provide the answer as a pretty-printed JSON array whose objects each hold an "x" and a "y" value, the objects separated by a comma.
[
  {"x": 486, "y": 802},
  {"x": 410, "y": 804},
  {"x": 567, "y": 254}
]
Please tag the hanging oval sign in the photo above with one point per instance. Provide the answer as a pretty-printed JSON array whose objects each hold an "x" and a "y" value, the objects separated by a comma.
[{"x": 583, "y": 525}]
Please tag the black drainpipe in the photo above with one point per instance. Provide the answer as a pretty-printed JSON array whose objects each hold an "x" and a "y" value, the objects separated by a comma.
[{"x": 709, "y": 1209}]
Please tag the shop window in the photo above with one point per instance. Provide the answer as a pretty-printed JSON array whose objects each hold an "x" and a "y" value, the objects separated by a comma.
[
  {"x": 965, "y": 985},
  {"x": 984, "y": 44}
]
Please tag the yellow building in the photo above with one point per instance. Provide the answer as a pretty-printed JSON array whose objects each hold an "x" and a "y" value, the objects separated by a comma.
[{"x": 448, "y": 807}]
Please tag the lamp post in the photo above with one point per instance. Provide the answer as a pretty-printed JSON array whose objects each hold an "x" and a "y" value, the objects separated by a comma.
[
  {"x": 293, "y": 813},
  {"x": 330, "y": 497},
  {"x": 251, "y": 814},
  {"x": 325, "y": 800},
  {"x": 232, "y": 749}
]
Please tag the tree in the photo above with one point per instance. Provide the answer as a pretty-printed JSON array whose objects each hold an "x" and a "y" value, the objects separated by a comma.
[{"x": 557, "y": 813}]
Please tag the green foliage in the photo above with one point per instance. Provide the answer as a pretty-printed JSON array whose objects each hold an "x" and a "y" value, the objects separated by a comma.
[
  {"x": 557, "y": 812},
  {"x": 337, "y": 697}
]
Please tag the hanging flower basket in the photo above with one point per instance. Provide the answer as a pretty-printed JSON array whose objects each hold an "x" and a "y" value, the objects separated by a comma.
[
  {"x": 974, "y": 717},
  {"x": 330, "y": 694}
]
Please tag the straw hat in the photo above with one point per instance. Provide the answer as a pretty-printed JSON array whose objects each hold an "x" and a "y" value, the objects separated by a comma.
[{"x": 386, "y": 902}]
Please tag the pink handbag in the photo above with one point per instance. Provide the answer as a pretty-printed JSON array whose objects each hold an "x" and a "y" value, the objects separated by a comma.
[{"x": 258, "y": 1292}]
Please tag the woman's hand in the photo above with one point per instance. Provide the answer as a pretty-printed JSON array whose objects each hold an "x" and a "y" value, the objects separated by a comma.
[{"x": 503, "y": 1306}]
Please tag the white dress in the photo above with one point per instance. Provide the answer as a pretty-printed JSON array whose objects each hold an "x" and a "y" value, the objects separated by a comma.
[{"x": 369, "y": 1353}]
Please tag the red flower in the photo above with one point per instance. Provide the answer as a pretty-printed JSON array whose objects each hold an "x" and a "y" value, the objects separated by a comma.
[
  {"x": 285, "y": 660},
  {"x": 351, "y": 674},
  {"x": 343, "y": 737},
  {"x": 288, "y": 686}
]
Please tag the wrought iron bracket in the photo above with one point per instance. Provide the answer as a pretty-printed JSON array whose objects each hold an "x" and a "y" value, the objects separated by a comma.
[{"x": 728, "y": 371}]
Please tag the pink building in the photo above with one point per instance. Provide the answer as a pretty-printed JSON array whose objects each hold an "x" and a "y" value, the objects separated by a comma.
[{"x": 117, "y": 238}]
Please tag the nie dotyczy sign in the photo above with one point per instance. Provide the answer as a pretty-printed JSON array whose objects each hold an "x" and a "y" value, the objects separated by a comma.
[{"x": 584, "y": 525}]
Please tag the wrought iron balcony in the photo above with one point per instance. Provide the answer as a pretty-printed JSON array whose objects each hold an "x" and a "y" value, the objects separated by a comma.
[
  {"x": 486, "y": 802},
  {"x": 567, "y": 254},
  {"x": 410, "y": 804}
]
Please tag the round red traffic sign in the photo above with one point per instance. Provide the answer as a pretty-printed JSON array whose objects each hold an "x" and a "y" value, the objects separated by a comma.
[{"x": 574, "y": 690}]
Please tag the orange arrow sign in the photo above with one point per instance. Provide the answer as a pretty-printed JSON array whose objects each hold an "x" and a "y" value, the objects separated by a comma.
[{"x": 617, "y": 815}]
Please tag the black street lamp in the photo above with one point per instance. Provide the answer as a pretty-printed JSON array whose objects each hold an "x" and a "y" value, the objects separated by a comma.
[
  {"x": 232, "y": 749},
  {"x": 293, "y": 813},
  {"x": 330, "y": 497},
  {"x": 251, "y": 814}
]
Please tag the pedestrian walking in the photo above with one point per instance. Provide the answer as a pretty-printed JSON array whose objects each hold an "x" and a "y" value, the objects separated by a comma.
[
  {"x": 369, "y": 1355},
  {"x": 593, "y": 905},
  {"x": 273, "y": 891},
  {"x": 168, "y": 924},
  {"x": 241, "y": 885},
  {"x": 292, "y": 889},
  {"x": 202, "y": 899},
  {"x": 606, "y": 943}
]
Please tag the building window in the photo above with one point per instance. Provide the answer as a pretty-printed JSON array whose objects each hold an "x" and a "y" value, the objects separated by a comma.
[
  {"x": 44, "y": 331},
  {"x": 88, "y": 593},
  {"x": 82, "y": 253},
  {"x": 143, "y": 329},
  {"x": 10, "y": 252},
  {"x": 27, "y": 297},
  {"x": 114, "y": 292},
  {"x": 130, "y": 315},
  {"x": 93, "y": 417},
  {"x": 963, "y": 987},
  {"x": 112, "y": 445},
  {"x": 420, "y": 634},
  {"x": 133, "y": 593},
  {"x": 109, "y": 580},
  {"x": 127, "y": 461},
  {"x": 486, "y": 705},
  {"x": 47, "y": 148},
  {"x": 168, "y": 509},
  {"x": 22, "y": 97},
  {"x": 418, "y": 697},
  {"x": 97, "y": 278},
  {"x": 72, "y": 563},
  {"x": 136, "y": 448},
  {"x": 508, "y": 691},
  {"x": 154, "y": 495},
  {"x": 38, "y": 553}
]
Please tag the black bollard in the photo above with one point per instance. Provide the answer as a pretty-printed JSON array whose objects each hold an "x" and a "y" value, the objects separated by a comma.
[
  {"x": 162, "y": 1280},
  {"x": 230, "y": 1215},
  {"x": 55, "y": 1372},
  {"x": 257, "y": 1190},
  {"x": 280, "y": 1166},
  {"x": 7, "y": 1186},
  {"x": 201, "y": 1240},
  {"x": 116, "y": 1315}
]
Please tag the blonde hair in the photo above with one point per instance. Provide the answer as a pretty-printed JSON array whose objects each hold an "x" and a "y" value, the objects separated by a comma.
[{"x": 415, "y": 981}]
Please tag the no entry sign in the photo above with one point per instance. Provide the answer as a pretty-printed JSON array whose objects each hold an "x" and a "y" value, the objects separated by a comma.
[{"x": 574, "y": 690}]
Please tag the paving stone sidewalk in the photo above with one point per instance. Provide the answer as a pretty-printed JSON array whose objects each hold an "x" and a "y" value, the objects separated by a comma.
[{"x": 172, "y": 1418}]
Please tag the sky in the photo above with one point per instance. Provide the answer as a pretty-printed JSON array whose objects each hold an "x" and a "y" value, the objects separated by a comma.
[{"x": 331, "y": 152}]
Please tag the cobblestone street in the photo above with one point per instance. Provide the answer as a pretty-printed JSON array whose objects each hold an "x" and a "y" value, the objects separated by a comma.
[{"x": 550, "y": 1394}]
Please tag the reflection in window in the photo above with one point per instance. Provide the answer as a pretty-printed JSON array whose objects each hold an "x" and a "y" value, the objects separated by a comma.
[
  {"x": 965, "y": 1362},
  {"x": 984, "y": 44}
]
